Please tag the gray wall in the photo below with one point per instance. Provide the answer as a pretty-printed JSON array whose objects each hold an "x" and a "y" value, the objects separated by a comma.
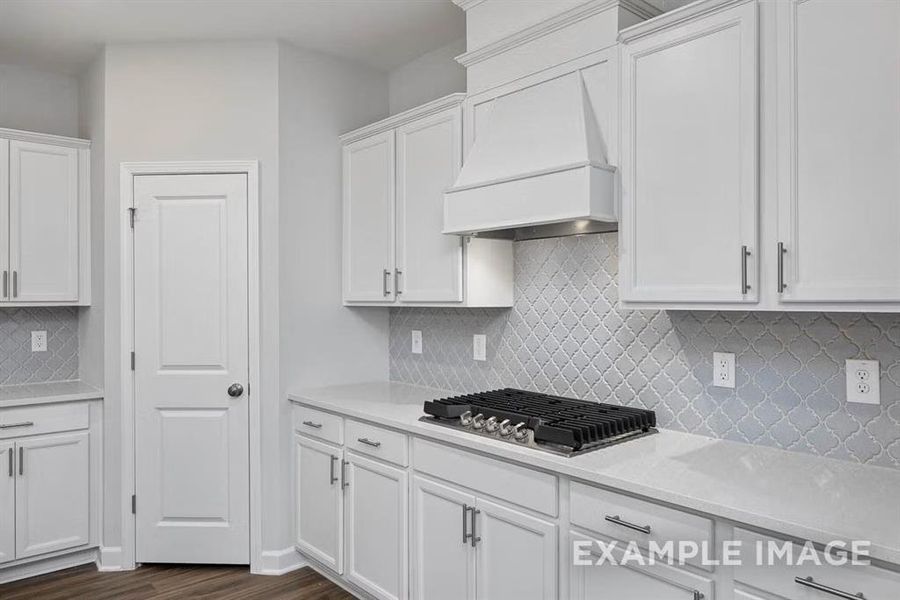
[
  {"x": 18, "y": 364},
  {"x": 565, "y": 335}
]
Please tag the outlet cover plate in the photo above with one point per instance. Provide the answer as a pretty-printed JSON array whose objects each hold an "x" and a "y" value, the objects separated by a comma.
[
  {"x": 479, "y": 346},
  {"x": 723, "y": 369},
  {"x": 416, "y": 341},
  {"x": 863, "y": 381},
  {"x": 38, "y": 341}
]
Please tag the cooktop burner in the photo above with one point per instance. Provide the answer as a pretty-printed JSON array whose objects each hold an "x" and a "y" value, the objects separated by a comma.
[{"x": 551, "y": 423}]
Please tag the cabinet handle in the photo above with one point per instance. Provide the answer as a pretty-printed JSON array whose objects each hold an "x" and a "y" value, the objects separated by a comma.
[
  {"x": 369, "y": 442},
  {"x": 344, "y": 482},
  {"x": 781, "y": 252},
  {"x": 11, "y": 462},
  {"x": 313, "y": 425},
  {"x": 465, "y": 514},
  {"x": 384, "y": 282},
  {"x": 15, "y": 284},
  {"x": 21, "y": 460},
  {"x": 745, "y": 287},
  {"x": 615, "y": 520},
  {"x": 397, "y": 288},
  {"x": 5, "y": 284},
  {"x": 697, "y": 595},
  {"x": 15, "y": 425},
  {"x": 811, "y": 583},
  {"x": 473, "y": 536},
  {"x": 333, "y": 478}
]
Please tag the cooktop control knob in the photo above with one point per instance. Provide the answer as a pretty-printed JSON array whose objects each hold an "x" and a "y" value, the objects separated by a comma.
[
  {"x": 478, "y": 421},
  {"x": 505, "y": 429},
  {"x": 465, "y": 419},
  {"x": 491, "y": 425},
  {"x": 521, "y": 433}
]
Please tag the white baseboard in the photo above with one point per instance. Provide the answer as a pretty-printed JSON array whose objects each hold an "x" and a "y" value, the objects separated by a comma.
[
  {"x": 279, "y": 562},
  {"x": 109, "y": 559},
  {"x": 47, "y": 565}
]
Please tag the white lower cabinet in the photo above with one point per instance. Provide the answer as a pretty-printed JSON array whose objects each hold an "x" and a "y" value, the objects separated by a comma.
[
  {"x": 7, "y": 499},
  {"x": 377, "y": 515},
  {"x": 320, "y": 501}
]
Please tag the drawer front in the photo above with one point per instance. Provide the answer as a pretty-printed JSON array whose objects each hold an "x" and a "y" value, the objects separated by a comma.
[
  {"x": 48, "y": 418},
  {"x": 779, "y": 578},
  {"x": 620, "y": 517},
  {"x": 385, "y": 444},
  {"x": 509, "y": 482},
  {"x": 319, "y": 424}
]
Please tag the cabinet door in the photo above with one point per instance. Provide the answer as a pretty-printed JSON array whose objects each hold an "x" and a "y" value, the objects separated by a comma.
[
  {"x": 516, "y": 555},
  {"x": 52, "y": 493},
  {"x": 689, "y": 161},
  {"x": 43, "y": 218},
  {"x": 320, "y": 501},
  {"x": 839, "y": 150},
  {"x": 443, "y": 558},
  {"x": 376, "y": 514},
  {"x": 7, "y": 502},
  {"x": 369, "y": 219},
  {"x": 429, "y": 264}
]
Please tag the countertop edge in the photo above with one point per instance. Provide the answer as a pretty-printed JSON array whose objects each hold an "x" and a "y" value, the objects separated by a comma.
[{"x": 52, "y": 398}]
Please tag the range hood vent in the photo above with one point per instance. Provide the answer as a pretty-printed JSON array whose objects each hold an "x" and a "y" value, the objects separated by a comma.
[{"x": 537, "y": 168}]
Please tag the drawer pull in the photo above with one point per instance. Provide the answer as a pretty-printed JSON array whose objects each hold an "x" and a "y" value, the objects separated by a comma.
[
  {"x": 312, "y": 424},
  {"x": 811, "y": 583},
  {"x": 615, "y": 520},
  {"x": 369, "y": 442},
  {"x": 15, "y": 425}
]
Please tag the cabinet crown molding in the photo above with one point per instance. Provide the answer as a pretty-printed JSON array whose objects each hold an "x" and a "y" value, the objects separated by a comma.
[
  {"x": 399, "y": 119},
  {"x": 44, "y": 138},
  {"x": 676, "y": 17},
  {"x": 547, "y": 26}
]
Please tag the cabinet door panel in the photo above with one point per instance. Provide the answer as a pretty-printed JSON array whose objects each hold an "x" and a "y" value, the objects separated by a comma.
[
  {"x": 8, "y": 502},
  {"x": 43, "y": 217},
  {"x": 516, "y": 556},
  {"x": 369, "y": 219},
  {"x": 376, "y": 523},
  {"x": 319, "y": 522},
  {"x": 839, "y": 150},
  {"x": 444, "y": 563},
  {"x": 689, "y": 161},
  {"x": 429, "y": 155},
  {"x": 52, "y": 493}
]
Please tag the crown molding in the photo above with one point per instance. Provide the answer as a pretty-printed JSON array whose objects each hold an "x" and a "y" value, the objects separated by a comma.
[
  {"x": 399, "y": 119},
  {"x": 43, "y": 138},
  {"x": 547, "y": 26},
  {"x": 467, "y": 4},
  {"x": 676, "y": 17}
]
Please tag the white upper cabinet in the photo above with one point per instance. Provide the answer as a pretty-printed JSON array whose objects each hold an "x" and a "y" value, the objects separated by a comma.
[
  {"x": 395, "y": 175},
  {"x": 839, "y": 150},
  {"x": 689, "y": 161},
  {"x": 44, "y": 220}
]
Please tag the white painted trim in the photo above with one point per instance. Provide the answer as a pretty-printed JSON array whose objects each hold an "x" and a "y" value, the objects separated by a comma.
[
  {"x": 42, "y": 566},
  {"x": 675, "y": 17},
  {"x": 548, "y": 26},
  {"x": 109, "y": 559},
  {"x": 127, "y": 172},
  {"x": 468, "y": 4},
  {"x": 279, "y": 562},
  {"x": 44, "y": 138},
  {"x": 413, "y": 114}
]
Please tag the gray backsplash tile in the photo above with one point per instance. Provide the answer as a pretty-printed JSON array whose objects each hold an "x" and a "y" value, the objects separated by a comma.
[
  {"x": 18, "y": 364},
  {"x": 565, "y": 336}
]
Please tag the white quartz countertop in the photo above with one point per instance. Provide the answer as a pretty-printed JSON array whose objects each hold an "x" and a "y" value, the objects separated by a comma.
[
  {"x": 47, "y": 393},
  {"x": 795, "y": 494}
]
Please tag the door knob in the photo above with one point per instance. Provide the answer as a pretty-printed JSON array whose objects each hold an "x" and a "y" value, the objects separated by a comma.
[{"x": 235, "y": 390}]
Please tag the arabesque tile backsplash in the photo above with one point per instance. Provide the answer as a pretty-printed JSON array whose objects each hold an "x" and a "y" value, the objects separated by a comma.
[
  {"x": 18, "y": 364},
  {"x": 565, "y": 335}
]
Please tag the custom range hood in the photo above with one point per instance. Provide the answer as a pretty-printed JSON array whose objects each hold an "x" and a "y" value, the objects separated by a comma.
[{"x": 537, "y": 168}]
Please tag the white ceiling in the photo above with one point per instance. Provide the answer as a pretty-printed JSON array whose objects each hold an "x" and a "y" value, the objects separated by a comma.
[{"x": 65, "y": 35}]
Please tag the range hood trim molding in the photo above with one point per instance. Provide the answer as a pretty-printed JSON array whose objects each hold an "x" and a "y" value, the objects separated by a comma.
[{"x": 547, "y": 171}]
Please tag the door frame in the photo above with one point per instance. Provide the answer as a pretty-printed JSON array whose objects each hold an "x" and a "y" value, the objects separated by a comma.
[{"x": 127, "y": 172}]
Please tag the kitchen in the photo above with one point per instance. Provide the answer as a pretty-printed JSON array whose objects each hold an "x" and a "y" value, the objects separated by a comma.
[{"x": 498, "y": 299}]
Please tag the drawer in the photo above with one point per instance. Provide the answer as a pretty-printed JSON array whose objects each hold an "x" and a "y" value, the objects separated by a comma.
[
  {"x": 618, "y": 517},
  {"x": 512, "y": 483},
  {"x": 319, "y": 424},
  {"x": 779, "y": 578},
  {"x": 385, "y": 444},
  {"x": 46, "y": 418}
]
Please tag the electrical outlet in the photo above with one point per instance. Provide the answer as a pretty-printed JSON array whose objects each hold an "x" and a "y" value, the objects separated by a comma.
[
  {"x": 723, "y": 369},
  {"x": 479, "y": 346},
  {"x": 38, "y": 341},
  {"x": 416, "y": 341},
  {"x": 863, "y": 381}
]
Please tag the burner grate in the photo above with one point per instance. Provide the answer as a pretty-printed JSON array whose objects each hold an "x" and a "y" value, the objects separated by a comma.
[{"x": 554, "y": 420}]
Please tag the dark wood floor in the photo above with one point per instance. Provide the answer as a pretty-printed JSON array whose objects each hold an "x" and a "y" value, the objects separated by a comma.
[{"x": 169, "y": 582}]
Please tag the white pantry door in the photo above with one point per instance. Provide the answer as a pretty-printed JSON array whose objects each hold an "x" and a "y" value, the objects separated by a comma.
[{"x": 191, "y": 354}]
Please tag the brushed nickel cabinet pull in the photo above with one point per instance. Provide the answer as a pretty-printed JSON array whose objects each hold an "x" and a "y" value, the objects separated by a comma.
[
  {"x": 781, "y": 252},
  {"x": 312, "y": 424},
  {"x": 344, "y": 482},
  {"x": 369, "y": 442},
  {"x": 333, "y": 477},
  {"x": 5, "y": 284},
  {"x": 813, "y": 584},
  {"x": 11, "y": 462},
  {"x": 616, "y": 520},
  {"x": 16, "y": 425},
  {"x": 465, "y": 514},
  {"x": 384, "y": 283},
  {"x": 21, "y": 460},
  {"x": 397, "y": 288},
  {"x": 15, "y": 284},
  {"x": 745, "y": 286},
  {"x": 473, "y": 536}
]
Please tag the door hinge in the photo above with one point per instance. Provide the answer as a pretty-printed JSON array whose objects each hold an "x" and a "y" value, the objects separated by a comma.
[
  {"x": 133, "y": 504},
  {"x": 132, "y": 360},
  {"x": 131, "y": 212}
]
